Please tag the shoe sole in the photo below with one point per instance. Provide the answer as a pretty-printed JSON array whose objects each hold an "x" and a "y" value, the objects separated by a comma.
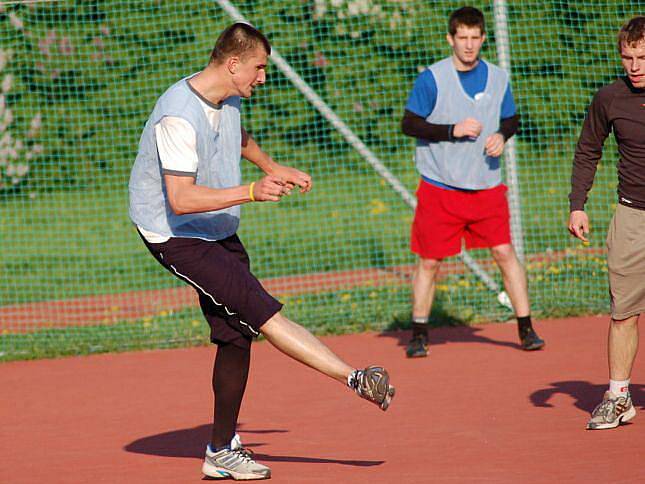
[
  {"x": 534, "y": 347},
  {"x": 388, "y": 398},
  {"x": 626, "y": 417},
  {"x": 417, "y": 355},
  {"x": 215, "y": 472}
]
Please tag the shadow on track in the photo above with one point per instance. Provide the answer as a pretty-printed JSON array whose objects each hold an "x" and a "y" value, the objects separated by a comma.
[
  {"x": 191, "y": 442},
  {"x": 586, "y": 395},
  {"x": 444, "y": 328}
]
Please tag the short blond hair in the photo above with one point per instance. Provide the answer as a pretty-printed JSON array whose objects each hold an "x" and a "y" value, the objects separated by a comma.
[{"x": 238, "y": 39}]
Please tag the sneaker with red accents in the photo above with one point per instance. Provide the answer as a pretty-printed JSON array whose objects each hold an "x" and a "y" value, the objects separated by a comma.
[{"x": 611, "y": 412}]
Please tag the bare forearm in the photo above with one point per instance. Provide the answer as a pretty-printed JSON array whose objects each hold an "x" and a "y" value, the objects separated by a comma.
[
  {"x": 251, "y": 151},
  {"x": 198, "y": 198}
]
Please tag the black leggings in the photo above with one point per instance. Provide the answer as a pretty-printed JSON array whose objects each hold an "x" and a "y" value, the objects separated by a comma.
[{"x": 230, "y": 373}]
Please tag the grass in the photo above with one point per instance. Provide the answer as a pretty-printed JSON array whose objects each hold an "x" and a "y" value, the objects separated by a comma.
[
  {"x": 70, "y": 244},
  {"x": 67, "y": 234},
  {"x": 460, "y": 300}
]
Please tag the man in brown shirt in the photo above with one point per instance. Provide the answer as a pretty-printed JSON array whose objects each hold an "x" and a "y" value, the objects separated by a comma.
[{"x": 620, "y": 107}]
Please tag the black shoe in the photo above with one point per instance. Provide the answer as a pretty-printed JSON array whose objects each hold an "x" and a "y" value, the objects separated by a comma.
[
  {"x": 529, "y": 340},
  {"x": 417, "y": 347}
]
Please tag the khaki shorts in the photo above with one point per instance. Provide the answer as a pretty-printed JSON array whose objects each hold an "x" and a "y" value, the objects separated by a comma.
[{"x": 626, "y": 262}]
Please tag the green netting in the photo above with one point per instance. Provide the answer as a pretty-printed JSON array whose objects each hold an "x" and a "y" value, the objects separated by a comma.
[{"x": 79, "y": 79}]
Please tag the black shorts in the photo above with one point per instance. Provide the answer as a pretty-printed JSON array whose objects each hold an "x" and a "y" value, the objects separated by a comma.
[{"x": 232, "y": 299}]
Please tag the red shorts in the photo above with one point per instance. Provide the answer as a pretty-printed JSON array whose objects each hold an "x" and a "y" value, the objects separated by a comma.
[{"x": 444, "y": 217}]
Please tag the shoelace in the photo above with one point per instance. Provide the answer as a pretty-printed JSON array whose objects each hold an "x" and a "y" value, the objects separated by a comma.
[
  {"x": 245, "y": 454},
  {"x": 606, "y": 408},
  {"x": 356, "y": 377},
  {"x": 365, "y": 390}
]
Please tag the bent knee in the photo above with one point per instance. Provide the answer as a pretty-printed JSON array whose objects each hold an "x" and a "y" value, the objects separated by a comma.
[
  {"x": 278, "y": 323},
  {"x": 622, "y": 323},
  {"x": 503, "y": 253},
  {"x": 429, "y": 266}
]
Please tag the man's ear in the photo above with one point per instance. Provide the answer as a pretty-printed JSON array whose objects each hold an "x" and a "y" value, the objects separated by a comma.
[{"x": 233, "y": 64}]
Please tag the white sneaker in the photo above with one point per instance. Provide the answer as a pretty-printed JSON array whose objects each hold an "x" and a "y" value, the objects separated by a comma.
[
  {"x": 613, "y": 410},
  {"x": 234, "y": 462}
]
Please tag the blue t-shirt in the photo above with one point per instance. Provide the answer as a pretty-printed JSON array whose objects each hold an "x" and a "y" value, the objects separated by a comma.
[{"x": 423, "y": 97}]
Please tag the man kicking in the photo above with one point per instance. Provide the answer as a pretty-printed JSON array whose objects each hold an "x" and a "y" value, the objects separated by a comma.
[{"x": 185, "y": 197}]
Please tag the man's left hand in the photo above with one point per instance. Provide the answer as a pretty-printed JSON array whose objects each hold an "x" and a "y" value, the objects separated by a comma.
[
  {"x": 293, "y": 177},
  {"x": 495, "y": 145}
]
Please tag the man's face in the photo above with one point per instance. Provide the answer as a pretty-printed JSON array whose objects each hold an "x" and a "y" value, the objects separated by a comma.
[
  {"x": 466, "y": 44},
  {"x": 250, "y": 72},
  {"x": 633, "y": 58}
]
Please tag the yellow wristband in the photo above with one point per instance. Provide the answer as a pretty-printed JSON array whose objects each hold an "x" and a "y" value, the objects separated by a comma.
[{"x": 251, "y": 191}]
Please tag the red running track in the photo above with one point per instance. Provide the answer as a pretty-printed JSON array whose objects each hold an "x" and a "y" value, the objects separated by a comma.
[{"x": 477, "y": 410}]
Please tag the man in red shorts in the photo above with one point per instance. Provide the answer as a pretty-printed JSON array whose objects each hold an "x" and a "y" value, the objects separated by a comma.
[{"x": 461, "y": 111}]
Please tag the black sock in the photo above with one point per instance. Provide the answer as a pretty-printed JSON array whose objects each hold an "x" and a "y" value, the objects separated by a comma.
[
  {"x": 230, "y": 373},
  {"x": 420, "y": 326},
  {"x": 524, "y": 324}
]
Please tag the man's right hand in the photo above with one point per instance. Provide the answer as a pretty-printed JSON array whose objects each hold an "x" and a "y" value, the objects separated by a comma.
[
  {"x": 468, "y": 128},
  {"x": 579, "y": 224},
  {"x": 270, "y": 189}
]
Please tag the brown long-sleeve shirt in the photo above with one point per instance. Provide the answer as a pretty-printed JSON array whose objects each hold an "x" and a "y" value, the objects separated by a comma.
[{"x": 619, "y": 107}]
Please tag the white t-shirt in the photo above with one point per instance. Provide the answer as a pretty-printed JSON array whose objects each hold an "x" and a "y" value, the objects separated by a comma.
[{"x": 176, "y": 144}]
